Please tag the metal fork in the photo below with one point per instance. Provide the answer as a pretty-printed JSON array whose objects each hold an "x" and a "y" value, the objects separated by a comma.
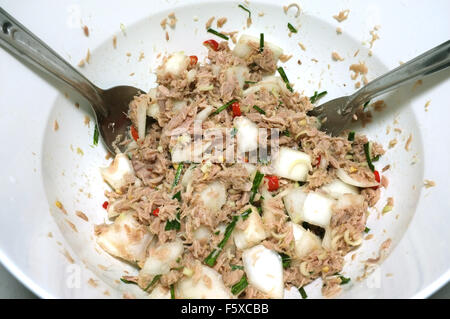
[{"x": 336, "y": 115}]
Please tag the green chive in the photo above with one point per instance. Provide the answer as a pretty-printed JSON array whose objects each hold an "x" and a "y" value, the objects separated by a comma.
[
  {"x": 236, "y": 267},
  {"x": 250, "y": 82},
  {"x": 220, "y": 35},
  {"x": 344, "y": 280},
  {"x": 210, "y": 260},
  {"x": 172, "y": 292},
  {"x": 96, "y": 135},
  {"x": 177, "y": 196},
  {"x": 127, "y": 281},
  {"x": 376, "y": 158},
  {"x": 366, "y": 230},
  {"x": 259, "y": 109},
  {"x": 245, "y": 214},
  {"x": 365, "y": 105},
  {"x": 286, "y": 260},
  {"x": 237, "y": 288},
  {"x": 177, "y": 175},
  {"x": 233, "y": 132},
  {"x": 285, "y": 79},
  {"x": 154, "y": 281},
  {"x": 291, "y": 28},
  {"x": 286, "y": 133},
  {"x": 223, "y": 107},
  {"x": 217, "y": 232},
  {"x": 256, "y": 182},
  {"x": 351, "y": 136},
  {"x": 303, "y": 293},
  {"x": 173, "y": 224},
  {"x": 261, "y": 42},
  {"x": 317, "y": 96},
  {"x": 245, "y": 9},
  {"x": 260, "y": 211},
  {"x": 367, "y": 151}
]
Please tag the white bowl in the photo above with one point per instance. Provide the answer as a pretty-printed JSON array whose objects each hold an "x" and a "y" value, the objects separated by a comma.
[{"x": 41, "y": 165}]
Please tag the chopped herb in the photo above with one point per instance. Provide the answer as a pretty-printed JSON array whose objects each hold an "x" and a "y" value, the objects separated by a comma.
[
  {"x": 220, "y": 35},
  {"x": 177, "y": 196},
  {"x": 260, "y": 211},
  {"x": 177, "y": 175},
  {"x": 250, "y": 82},
  {"x": 245, "y": 9},
  {"x": 217, "y": 232},
  {"x": 236, "y": 289},
  {"x": 260, "y": 110},
  {"x": 301, "y": 183},
  {"x": 172, "y": 292},
  {"x": 261, "y": 42},
  {"x": 317, "y": 96},
  {"x": 153, "y": 282},
  {"x": 365, "y": 105},
  {"x": 127, "y": 281},
  {"x": 236, "y": 267},
  {"x": 351, "y": 136},
  {"x": 173, "y": 224},
  {"x": 210, "y": 260},
  {"x": 366, "y": 230},
  {"x": 303, "y": 293},
  {"x": 96, "y": 135},
  {"x": 233, "y": 132},
  {"x": 256, "y": 182},
  {"x": 286, "y": 260},
  {"x": 286, "y": 133},
  {"x": 291, "y": 28},
  {"x": 376, "y": 158},
  {"x": 223, "y": 107},
  {"x": 367, "y": 151},
  {"x": 245, "y": 214},
  {"x": 344, "y": 280},
  {"x": 285, "y": 79}
]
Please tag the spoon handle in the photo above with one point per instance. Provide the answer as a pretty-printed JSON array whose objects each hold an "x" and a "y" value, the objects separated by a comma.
[
  {"x": 24, "y": 44},
  {"x": 429, "y": 62}
]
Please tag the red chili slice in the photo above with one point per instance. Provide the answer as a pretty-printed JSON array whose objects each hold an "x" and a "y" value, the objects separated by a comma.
[
  {"x": 318, "y": 159},
  {"x": 212, "y": 44},
  {"x": 134, "y": 133},
  {"x": 236, "y": 109},
  {"x": 272, "y": 182},
  {"x": 377, "y": 178},
  {"x": 155, "y": 212},
  {"x": 193, "y": 59},
  {"x": 105, "y": 205}
]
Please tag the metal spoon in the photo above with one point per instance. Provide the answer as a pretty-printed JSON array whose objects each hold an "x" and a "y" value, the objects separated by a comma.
[
  {"x": 110, "y": 106},
  {"x": 335, "y": 115}
]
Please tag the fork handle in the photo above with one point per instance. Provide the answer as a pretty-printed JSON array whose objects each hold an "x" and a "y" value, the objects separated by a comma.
[
  {"x": 429, "y": 62},
  {"x": 21, "y": 42}
]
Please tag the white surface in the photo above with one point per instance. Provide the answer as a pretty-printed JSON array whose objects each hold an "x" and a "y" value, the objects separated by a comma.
[{"x": 40, "y": 164}]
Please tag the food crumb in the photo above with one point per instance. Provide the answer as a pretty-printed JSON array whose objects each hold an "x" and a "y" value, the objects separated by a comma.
[
  {"x": 50, "y": 235},
  {"x": 387, "y": 167},
  {"x": 172, "y": 20},
  {"x": 220, "y": 22},
  {"x": 87, "y": 121},
  {"x": 374, "y": 35},
  {"x": 106, "y": 293},
  {"x": 336, "y": 57},
  {"x": 249, "y": 22},
  {"x": 398, "y": 130},
  {"x": 131, "y": 74},
  {"x": 108, "y": 156},
  {"x": 128, "y": 54},
  {"x": 77, "y": 105},
  {"x": 92, "y": 282},
  {"x": 368, "y": 237},
  {"x": 88, "y": 56},
  {"x": 81, "y": 63},
  {"x": 122, "y": 28},
  {"x": 379, "y": 105},
  {"x": 72, "y": 225},
  {"x": 141, "y": 56},
  {"x": 427, "y": 105},
  {"x": 68, "y": 257},
  {"x": 357, "y": 85},
  {"x": 80, "y": 151},
  {"x": 81, "y": 215},
  {"x": 358, "y": 69},
  {"x": 392, "y": 143},
  {"x": 209, "y": 23},
  {"x": 417, "y": 84},
  {"x": 284, "y": 58},
  {"x": 260, "y": 14},
  {"x": 356, "y": 53},
  {"x": 292, "y": 5},
  {"x": 338, "y": 30},
  {"x": 408, "y": 142},
  {"x": 167, "y": 36},
  {"x": 341, "y": 16},
  {"x": 61, "y": 207},
  {"x": 114, "y": 41},
  {"x": 86, "y": 30},
  {"x": 429, "y": 183},
  {"x": 302, "y": 46},
  {"x": 55, "y": 126}
]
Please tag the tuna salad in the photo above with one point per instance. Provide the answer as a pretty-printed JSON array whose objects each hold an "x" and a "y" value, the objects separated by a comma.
[{"x": 226, "y": 188}]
